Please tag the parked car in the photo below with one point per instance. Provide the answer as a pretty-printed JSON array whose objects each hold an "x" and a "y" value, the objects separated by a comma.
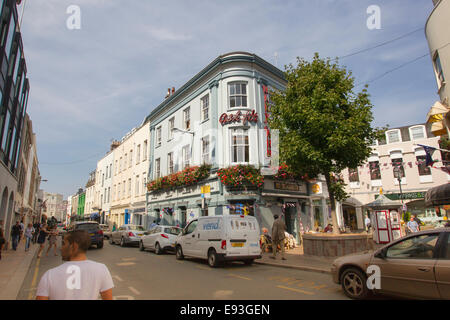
[
  {"x": 415, "y": 266},
  {"x": 94, "y": 230},
  {"x": 127, "y": 234},
  {"x": 220, "y": 238},
  {"x": 160, "y": 239},
  {"x": 106, "y": 231}
]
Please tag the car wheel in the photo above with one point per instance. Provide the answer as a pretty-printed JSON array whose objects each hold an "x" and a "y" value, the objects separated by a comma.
[
  {"x": 212, "y": 258},
  {"x": 100, "y": 245},
  {"x": 179, "y": 253},
  {"x": 158, "y": 250},
  {"x": 141, "y": 246},
  {"x": 249, "y": 262},
  {"x": 353, "y": 283},
  {"x": 122, "y": 242}
]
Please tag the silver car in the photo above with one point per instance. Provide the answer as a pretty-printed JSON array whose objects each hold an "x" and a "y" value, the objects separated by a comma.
[
  {"x": 127, "y": 234},
  {"x": 160, "y": 239}
]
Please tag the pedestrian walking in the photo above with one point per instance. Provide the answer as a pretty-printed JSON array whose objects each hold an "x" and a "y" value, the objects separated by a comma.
[
  {"x": 22, "y": 229},
  {"x": 36, "y": 232},
  {"x": 278, "y": 229},
  {"x": 15, "y": 235},
  {"x": 52, "y": 240},
  {"x": 368, "y": 224},
  {"x": 412, "y": 225},
  {"x": 78, "y": 278},
  {"x": 41, "y": 238},
  {"x": 29, "y": 231}
]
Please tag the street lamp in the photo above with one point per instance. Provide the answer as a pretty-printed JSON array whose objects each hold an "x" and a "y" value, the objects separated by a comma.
[{"x": 398, "y": 175}]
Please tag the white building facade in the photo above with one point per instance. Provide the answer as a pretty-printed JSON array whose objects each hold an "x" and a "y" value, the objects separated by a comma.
[
  {"x": 219, "y": 117},
  {"x": 397, "y": 154},
  {"x": 103, "y": 186}
]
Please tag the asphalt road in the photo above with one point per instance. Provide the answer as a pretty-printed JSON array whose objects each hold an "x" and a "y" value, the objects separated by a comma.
[{"x": 147, "y": 276}]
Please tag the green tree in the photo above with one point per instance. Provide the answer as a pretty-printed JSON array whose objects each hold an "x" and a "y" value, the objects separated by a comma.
[{"x": 324, "y": 126}]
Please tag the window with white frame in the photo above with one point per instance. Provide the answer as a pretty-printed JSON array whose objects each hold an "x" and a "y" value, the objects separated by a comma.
[
  {"x": 158, "y": 168},
  {"x": 125, "y": 161},
  {"x": 144, "y": 151},
  {"x": 138, "y": 182},
  {"x": 417, "y": 132},
  {"x": 117, "y": 167},
  {"x": 158, "y": 136},
  {"x": 240, "y": 152},
  {"x": 138, "y": 153},
  {"x": 187, "y": 118},
  {"x": 120, "y": 164},
  {"x": 170, "y": 128},
  {"x": 144, "y": 182},
  {"x": 170, "y": 162},
  {"x": 353, "y": 175},
  {"x": 118, "y": 191},
  {"x": 374, "y": 167},
  {"x": 109, "y": 194},
  {"x": 397, "y": 164},
  {"x": 123, "y": 189},
  {"x": 205, "y": 149},
  {"x": 186, "y": 156},
  {"x": 131, "y": 158},
  {"x": 237, "y": 94},
  {"x": 129, "y": 187},
  {"x": 421, "y": 159},
  {"x": 204, "y": 102},
  {"x": 393, "y": 136},
  {"x": 438, "y": 69}
]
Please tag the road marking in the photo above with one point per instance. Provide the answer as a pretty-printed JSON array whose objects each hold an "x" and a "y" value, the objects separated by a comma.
[
  {"x": 238, "y": 276},
  {"x": 128, "y": 259},
  {"x": 134, "y": 290},
  {"x": 222, "y": 294},
  {"x": 203, "y": 268},
  {"x": 296, "y": 290},
  {"x": 124, "y": 264},
  {"x": 123, "y": 298},
  {"x": 118, "y": 278},
  {"x": 33, "y": 282}
]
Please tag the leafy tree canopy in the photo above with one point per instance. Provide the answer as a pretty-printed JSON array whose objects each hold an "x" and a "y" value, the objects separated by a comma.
[{"x": 324, "y": 125}]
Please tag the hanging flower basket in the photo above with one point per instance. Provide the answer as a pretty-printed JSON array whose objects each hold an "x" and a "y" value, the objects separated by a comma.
[
  {"x": 241, "y": 177},
  {"x": 285, "y": 173},
  {"x": 189, "y": 176}
]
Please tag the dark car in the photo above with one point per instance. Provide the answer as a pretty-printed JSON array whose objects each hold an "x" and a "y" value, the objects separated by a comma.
[{"x": 94, "y": 230}]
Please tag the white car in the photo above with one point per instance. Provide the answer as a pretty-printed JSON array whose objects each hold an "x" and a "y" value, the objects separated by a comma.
[
  {"x": 159, "y": 239},
  {"x": 220, "y": 238}
]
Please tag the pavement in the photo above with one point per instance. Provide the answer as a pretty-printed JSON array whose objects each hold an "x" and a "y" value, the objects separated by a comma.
[
  {"x": 14, "y": 266},
  {"x": 295, "y": 259}
]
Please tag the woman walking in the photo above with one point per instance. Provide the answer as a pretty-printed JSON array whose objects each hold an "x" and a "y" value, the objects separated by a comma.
[
  {"x": 41, "y": 238},
  {"x": 52, "y": 240},
  {"x": 29, "y": 231}
]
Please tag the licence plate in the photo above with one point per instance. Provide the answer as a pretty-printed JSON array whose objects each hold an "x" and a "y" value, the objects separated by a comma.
[
  {"x": 92, "y": 234},
  {"x": 237, "y": 244}
]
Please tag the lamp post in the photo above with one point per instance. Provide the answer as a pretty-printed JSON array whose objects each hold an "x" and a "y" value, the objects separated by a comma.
[{"x": 398, "y": 175}]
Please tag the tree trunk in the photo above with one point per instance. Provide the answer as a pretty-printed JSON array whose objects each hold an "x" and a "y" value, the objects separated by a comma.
[{"x": 332, "y": 204}]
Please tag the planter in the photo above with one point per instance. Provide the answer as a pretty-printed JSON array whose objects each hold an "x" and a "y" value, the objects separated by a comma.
[{"x": 330, "y": 245}]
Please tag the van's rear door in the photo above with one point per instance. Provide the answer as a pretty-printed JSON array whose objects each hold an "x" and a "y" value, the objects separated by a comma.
[{"x": 243, "y": 236}]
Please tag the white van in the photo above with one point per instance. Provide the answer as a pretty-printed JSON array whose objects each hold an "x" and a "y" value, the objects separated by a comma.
[{"x": 220, "y": 238}]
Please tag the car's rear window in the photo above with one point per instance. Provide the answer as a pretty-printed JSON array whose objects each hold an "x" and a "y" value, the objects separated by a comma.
[
  {"x": 86, "y": 226},
  {"x": 175, "y": 231}
]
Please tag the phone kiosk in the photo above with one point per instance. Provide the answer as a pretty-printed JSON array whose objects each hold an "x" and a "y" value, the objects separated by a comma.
[{"x": 385, "y": 219}]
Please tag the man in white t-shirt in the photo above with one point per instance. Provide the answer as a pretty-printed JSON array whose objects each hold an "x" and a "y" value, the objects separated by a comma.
[{"x": 78, "y": 278}]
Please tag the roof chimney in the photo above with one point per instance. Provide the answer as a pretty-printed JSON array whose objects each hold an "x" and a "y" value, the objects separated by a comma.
[
  {"x": 168, "y": 93},
  {"x": 173, "y": 90}
]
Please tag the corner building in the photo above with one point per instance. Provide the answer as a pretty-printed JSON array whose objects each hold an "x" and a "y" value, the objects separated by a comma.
[{"x": 200, "y": 123}]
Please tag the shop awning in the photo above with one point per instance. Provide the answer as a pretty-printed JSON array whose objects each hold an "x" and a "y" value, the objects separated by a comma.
[
  {"x": 436, "y": 112},
  {"x": 438, "y": 196}
]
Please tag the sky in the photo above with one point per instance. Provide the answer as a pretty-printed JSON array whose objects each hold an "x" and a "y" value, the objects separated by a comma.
[{"x": 94, "y": 84}]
